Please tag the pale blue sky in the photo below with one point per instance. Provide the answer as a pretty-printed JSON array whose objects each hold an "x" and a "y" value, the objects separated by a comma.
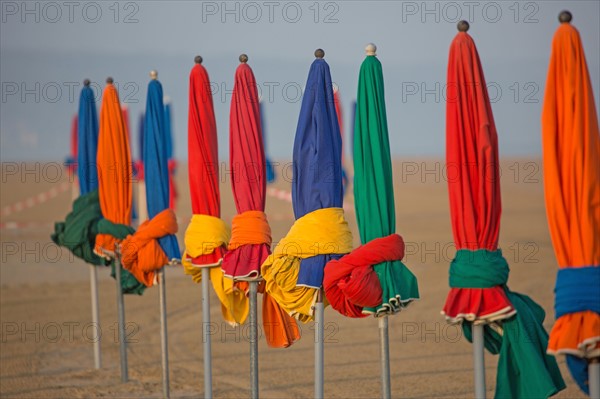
[{"x": 50, "y": 46}]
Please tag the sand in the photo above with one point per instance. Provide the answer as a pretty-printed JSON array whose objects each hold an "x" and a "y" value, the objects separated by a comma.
[{"x": 46, "y": 350}]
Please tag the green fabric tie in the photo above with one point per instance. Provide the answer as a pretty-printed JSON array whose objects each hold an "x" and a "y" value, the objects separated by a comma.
[
  {"x": 524, "y": 368},
  {"x": 78, "y": 234}
]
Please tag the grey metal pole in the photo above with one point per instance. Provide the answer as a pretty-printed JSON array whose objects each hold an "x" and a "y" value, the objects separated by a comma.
[
  {"x": 319, "y": 349},
  {"x": 206, "y": 333},
  {"x": 386, "y": 389},
  {"x": 121, "y": 322},
  {"x": 253, "y": 340},
  {"x": 95, "y": 315},
  {"x": 478, "y": 361},
  {"x": 594, "y": 377},
  {"x": 164, "y": 343}
]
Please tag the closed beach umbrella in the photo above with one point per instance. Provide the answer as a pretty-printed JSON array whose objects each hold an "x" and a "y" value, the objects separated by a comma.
[
  {"x": 250, "y": 243},
  {"x": 207, "y": 236},
  {"x": 373, "y": 187},
  {"x": 156, "y": 156},
  {"x": 114, "y": 167},
  {"x": 571, "y": 151},
  {"x": 87, "y": 128},
  {"x": 479, "y": 273},
  {"x": 71, "y": 160},
  {"x": 294, "y": 273}
]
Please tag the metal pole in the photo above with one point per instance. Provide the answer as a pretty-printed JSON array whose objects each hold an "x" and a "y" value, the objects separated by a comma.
[
  {"x": 594, "y": 377},
  {"x": 121, "y": 322},
  {"x": 253, "y": 341},
  {"x": 164, "y": 344},
  {"x": 319, "y": 349},
  {"x": 206, "y": 334},
  {"x": 386, "y": 390},
  {"x": 478, "y": 361},
  {"x": 95, "y": 315}
]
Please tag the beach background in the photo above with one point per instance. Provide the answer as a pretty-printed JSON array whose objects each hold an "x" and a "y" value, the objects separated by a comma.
[{"x": 46, "y": 341}]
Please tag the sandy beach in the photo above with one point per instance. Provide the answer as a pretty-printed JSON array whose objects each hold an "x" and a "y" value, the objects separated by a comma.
[{"x": 46, "y": 335}]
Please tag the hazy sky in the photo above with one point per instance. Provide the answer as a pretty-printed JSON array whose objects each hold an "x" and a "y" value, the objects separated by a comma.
[{"x": 48, "y": 48}]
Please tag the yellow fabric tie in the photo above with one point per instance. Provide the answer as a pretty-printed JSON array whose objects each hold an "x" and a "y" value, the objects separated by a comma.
[
  {"x": 321, "y": 232},
  {"x": 203, "y": 236}
]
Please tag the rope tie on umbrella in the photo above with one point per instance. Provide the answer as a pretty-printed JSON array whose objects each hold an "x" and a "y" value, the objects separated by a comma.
[
  {"x": 351, "y": 284},
  {"x": 521, "y": 336},
  {"x": 321, "y": 232},
  {"x": 250, "y": 227},
  {"x": 141, "y": 253}
]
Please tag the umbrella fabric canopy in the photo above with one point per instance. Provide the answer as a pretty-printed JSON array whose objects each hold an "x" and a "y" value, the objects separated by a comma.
[
  {"x": 571, "y": 150},
  {"x": 87, "y": 129},
  {"x": 269, "y": 164},
  {"x": 172, "y": 163},
  {"x": 156, "y": 145},
  {"x": 114, "y": 167},
  {"x": 154, "y": 245},
  {"x": 250, "y": 240},
  {"x": 79, "y": 230},
  {"x": 207, "y": 236},
  {"x": 479, "y": 272},
  {"x": 373, "y": 188},
  {"x": 139, "y": 165},
  {"x": 294, "y": 273}
]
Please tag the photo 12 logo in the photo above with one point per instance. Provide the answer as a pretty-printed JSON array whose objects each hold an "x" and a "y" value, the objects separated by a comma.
[
  {"x": 53, "y": 12},
  {"x": 253, "y": 12},
  {"x": 471, "y": 11}
]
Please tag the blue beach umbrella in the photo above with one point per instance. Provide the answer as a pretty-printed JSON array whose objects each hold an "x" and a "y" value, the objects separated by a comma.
[
  {"x": 317, "y": 161},
  {"x": 87, "y": 131},
  {"x": 154, "y": 154}
]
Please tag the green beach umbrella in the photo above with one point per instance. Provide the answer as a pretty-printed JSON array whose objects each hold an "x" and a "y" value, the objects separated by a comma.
[
  {"x": 373, "y": 186},
  {"x": 374, "y": 199}
]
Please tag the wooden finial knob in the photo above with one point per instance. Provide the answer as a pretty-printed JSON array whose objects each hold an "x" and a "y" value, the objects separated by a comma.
[
  {"x": 565, "y": 17},
  {"x": 319, "y": 53},
  {"x": 153, "y": 74},
  {"x": 109, "y": 80},
  {"x": 243, "y": 58},
  {"x": 462, "y": 26},
  {"x": 86, "y": 82},
  {"x": 371, "y": 49},
  {"x": 198, "y": 59}
]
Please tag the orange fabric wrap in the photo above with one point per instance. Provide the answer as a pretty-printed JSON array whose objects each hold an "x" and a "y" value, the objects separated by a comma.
[
  {"x": 141, "y": 253},
  {"x": 250, "y": 227}
]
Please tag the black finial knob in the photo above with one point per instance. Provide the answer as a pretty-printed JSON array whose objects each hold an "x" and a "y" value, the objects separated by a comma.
[
  {"x": 86, "y": 82},
  {"x": 462, "y": 26},
  {"x": 198, "y": 59},
  {"x": 319, "y": 53},
  {"x": 243, "y": 58},
  {"x": 109, "y": 80},
  {"x": 565, "y": 17}
]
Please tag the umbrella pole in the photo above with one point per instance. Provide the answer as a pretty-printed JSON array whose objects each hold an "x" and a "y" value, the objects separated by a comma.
[
  {"x": 253, "y": 340},
  {"x": 206, "y": 334},
  {"x": 121, "y": 322},
  {"x": 386, "y": 390},
  {"x": 478, "y": 361},
  {"x": 164, "y": 344},
  {"x": 319, "y": 349},
  {"x": 594, "y": 377},
  {"x": 95, "y": 315}
]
